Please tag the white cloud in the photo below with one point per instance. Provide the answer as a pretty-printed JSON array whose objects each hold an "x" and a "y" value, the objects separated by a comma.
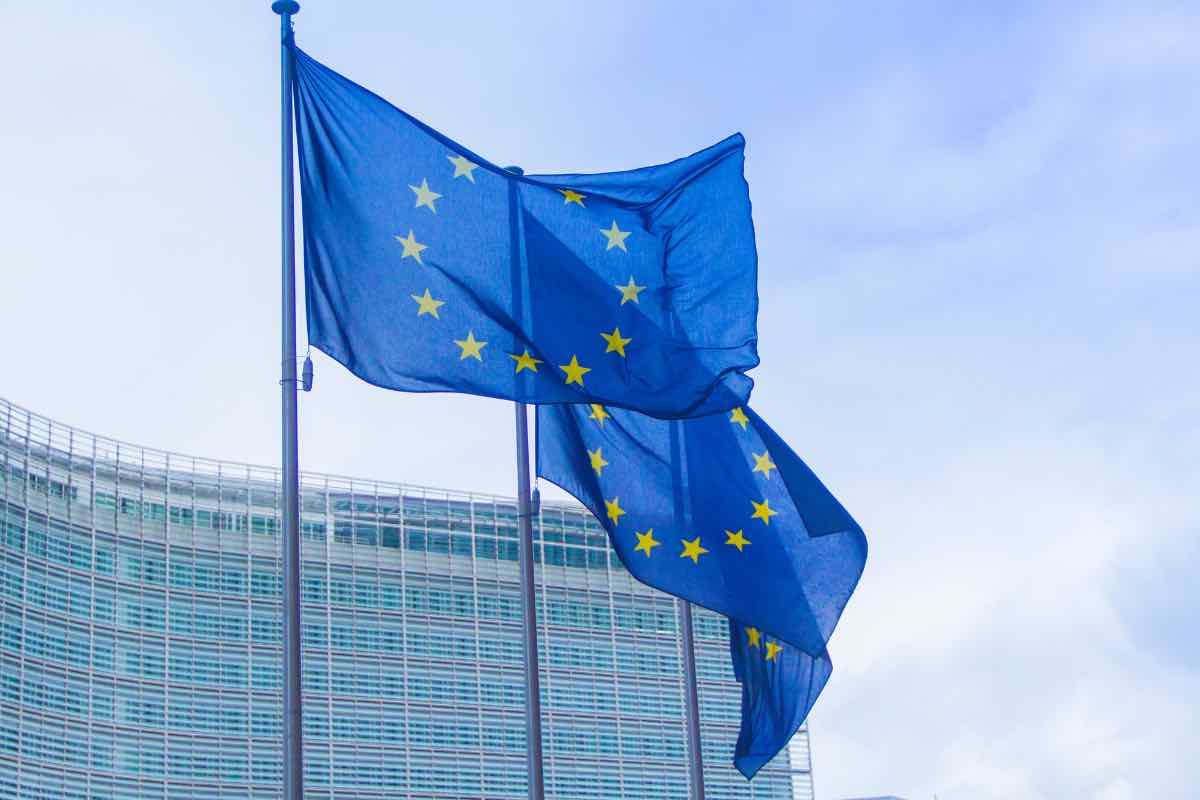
[{"x": 979, "y": 272}]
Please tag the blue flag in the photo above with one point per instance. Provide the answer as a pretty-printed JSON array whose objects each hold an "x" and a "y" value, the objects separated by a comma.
[
  {"x": 428, "y": 268},
  {"x": 716, "y": 510},
  {"x": 780, "y": 685}
]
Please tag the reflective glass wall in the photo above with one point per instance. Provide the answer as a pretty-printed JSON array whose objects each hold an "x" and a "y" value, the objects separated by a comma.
[{"x": 140, "y": 640}]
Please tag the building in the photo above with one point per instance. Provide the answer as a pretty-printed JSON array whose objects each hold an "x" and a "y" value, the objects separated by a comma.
[{"x": 140, "y": 653}]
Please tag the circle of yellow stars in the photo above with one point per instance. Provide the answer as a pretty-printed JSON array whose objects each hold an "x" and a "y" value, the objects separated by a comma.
[
  {"x": 694, "y": 549},
  {"x": 574, "y": 372},
  {"x": 472, "y": 348}
]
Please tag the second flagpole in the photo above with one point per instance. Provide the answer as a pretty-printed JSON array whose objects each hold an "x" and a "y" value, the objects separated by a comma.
[{"x": 533, "y": 695}]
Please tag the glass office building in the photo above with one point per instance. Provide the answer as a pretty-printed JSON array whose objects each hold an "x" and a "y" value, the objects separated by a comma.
[{"x": 140, "y": 640}]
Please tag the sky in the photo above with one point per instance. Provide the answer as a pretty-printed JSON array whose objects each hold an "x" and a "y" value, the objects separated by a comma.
[{"x": 979, "y": 275}]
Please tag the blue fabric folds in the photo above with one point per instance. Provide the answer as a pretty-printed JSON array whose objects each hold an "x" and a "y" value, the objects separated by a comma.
[
  {"x": 780, "y": 685},
  {"x": 717, "y": 510},
  {"x": 720, "y": 511},
  {"x": 428, "y": 268}
]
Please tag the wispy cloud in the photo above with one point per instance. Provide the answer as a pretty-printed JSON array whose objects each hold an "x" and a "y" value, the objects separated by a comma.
[{"x": 980, "y": 248}]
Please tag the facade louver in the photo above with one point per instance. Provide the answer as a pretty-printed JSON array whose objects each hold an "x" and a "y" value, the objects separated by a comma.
[{"x": 140, "y": 640}]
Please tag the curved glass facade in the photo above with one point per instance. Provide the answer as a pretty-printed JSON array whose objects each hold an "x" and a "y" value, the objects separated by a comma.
[{"x": 140, "y": 640}]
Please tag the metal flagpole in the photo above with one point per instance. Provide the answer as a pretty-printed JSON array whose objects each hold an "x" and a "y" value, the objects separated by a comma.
[
  {"x": 684, "y": 612},
  {"x": 293, "y": 743},
  {"x": 533, "y": 695},
  {"x": 695, "y": 760}
]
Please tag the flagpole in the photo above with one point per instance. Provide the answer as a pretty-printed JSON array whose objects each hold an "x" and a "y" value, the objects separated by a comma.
[
  {"x": 687, "y": 637},
  {"x": 293, "y": 742},
  {"x": 692, "y": 706},
  {"x": 533, "y": 694}
]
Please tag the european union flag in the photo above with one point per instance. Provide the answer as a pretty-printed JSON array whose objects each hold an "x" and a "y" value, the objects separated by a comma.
[
  {"x": 716, "y": 509},
  {"x": 780, "y": 685},
  {"x": 428, "y": 268}
]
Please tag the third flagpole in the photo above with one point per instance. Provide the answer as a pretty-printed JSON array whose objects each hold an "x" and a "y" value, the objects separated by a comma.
[
  {"x": 691, "y": 704},
  {"x": 691, "y": 700}
]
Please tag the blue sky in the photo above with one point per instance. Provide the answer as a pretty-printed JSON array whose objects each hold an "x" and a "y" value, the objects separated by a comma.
[{"x": 980, "y": 263}]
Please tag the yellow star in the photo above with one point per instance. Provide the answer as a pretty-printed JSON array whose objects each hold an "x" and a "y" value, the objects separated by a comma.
[
  {"x": 598, "y": 462},
  {"x": 614, "y": 510},
  {"x": 646, "y": 542},
  {"x": 753, "y": 637},
  {"x": 763, "y": 511},
  {"x": 525, "y": 361},
  {"x": 616, "y": 237},
  {"x": 572, "y": 197},
  {"x": 615, "y": 343},
  {"x": 629, "y": 291},
  {"x": 425, "y": 195},
  {"x": 463, "y": 167},
  {"x": 427, "y": 305},
  {"x": 692, "y": 550},
  {"x": 764, "y": 464},
  {"x": 773, "y": 650},
  {"x": 575, "y": 371},
  {"x": 411, "y": 246},
  {"x": 738, "y": 416},
  {"x": 599, "y": 414},
  {"x": 737, "y": 539},
  {"x": 471, "y": 347}
]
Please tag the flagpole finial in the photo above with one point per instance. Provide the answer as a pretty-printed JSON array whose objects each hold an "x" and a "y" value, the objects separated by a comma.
[{"x": 282, "y": 7}]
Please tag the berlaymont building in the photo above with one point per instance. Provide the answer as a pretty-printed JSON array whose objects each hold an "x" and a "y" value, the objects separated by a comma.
[{"x": 140, "y": 640}]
